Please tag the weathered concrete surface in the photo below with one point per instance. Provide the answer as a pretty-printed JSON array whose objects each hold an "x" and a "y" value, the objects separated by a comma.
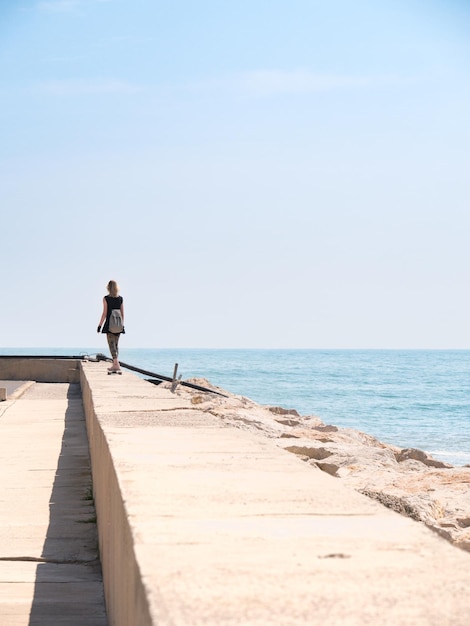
[
  {"x": 49, "y": 569},
  {"x": 51, "y": 370},
  {"x": 201, "y": 523},
  {"x": 406, "y": 480},
  {"x": 15, "y": 388}
]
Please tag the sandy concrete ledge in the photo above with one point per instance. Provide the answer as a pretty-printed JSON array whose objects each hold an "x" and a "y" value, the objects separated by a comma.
[{"x": 202, "y": 523}]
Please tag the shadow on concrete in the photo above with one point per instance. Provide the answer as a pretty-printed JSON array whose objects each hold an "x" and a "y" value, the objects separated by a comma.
[{"x": 68, "y": 586}]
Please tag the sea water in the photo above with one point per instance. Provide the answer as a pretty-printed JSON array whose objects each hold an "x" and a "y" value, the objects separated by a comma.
[{"x": 408, "y": 398}]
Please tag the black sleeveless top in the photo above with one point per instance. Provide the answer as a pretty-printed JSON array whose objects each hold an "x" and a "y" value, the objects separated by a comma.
[{"x": 113, "y": 303}]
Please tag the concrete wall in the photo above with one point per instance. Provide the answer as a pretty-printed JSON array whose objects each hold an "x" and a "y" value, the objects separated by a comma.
[
  {"x": 54, "y": 370},
  {"x": 126, "y": 597}
]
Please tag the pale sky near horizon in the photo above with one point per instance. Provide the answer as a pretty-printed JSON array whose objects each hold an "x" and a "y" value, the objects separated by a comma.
[{"x": 259, "y": 173}]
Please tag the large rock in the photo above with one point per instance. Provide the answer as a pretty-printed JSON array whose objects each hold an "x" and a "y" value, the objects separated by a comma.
[{"x": 419, "y": 455}]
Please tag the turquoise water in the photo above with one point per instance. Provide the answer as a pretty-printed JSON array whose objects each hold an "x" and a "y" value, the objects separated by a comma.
[{"x": 409, "y": 398}]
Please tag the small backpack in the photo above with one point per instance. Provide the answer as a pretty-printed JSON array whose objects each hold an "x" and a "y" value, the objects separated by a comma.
[{"x": 115, "y": 322}]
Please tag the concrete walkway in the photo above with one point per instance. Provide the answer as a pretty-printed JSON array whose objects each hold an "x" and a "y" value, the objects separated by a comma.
[
  {"x": 208, "y": 525},
  {"x": 200, "y": 523},
  {"x": 49, "y": 569}
]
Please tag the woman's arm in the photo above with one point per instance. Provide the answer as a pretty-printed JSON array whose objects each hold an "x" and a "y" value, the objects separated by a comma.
[
  {"x": 122, "y": 311},
  {"x": 105, "y": 312}
]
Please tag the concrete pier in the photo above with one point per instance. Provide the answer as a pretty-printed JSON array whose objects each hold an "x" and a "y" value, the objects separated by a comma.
[
  {"x": 205, "y": 524},
  {"x": 50, "y": 573},
  {"x": 201, "y": 523}
]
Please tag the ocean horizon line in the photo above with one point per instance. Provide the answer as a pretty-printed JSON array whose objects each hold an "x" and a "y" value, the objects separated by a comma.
[{"x": 259, "y": 349}]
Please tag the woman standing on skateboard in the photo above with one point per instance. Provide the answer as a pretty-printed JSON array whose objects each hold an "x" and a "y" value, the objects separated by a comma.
[{"x": 112, "y": 304}]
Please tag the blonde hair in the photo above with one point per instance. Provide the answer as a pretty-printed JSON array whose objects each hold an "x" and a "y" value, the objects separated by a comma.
[{"x": 113, "y": 288}]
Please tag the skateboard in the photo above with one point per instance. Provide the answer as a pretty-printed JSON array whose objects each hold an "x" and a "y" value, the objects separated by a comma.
[{"x": 115, "y": 372}]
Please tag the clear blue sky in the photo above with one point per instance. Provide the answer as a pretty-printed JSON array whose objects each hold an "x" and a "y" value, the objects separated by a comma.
[{"x": 258, "y": 173}]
